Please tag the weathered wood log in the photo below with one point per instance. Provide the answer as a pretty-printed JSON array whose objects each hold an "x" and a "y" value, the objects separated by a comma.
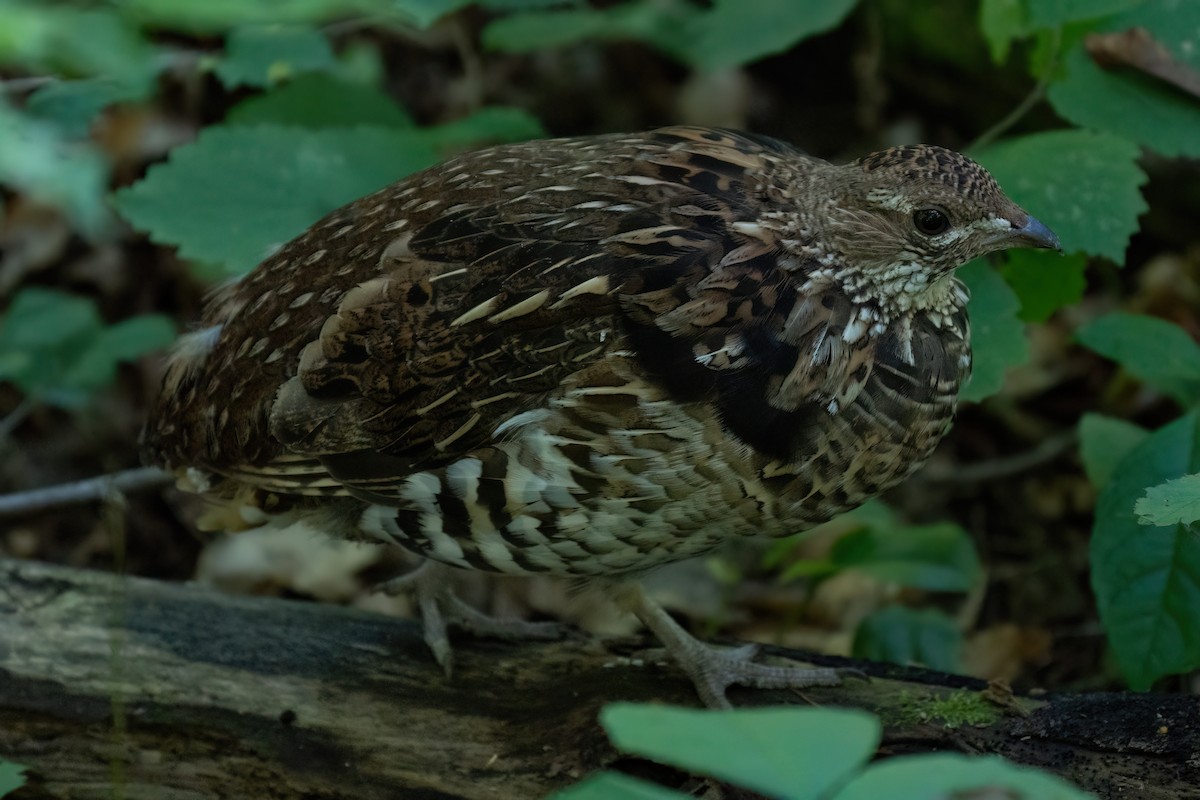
[{"x": 174, "y": 691}]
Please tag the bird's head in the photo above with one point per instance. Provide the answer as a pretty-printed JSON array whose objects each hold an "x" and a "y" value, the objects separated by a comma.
[{"x": 908, "y": 216}]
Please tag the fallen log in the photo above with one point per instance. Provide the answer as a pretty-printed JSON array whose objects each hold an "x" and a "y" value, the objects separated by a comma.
[{"x": 126, "y": 687}]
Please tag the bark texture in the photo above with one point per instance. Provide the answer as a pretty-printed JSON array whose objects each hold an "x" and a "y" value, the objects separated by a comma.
[{"x": 124, "y": 687}]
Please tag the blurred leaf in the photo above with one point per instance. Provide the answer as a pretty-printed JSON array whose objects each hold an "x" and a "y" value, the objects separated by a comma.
[
  {"x": 997, "y": 335},
  {"x": 938, "y": 558},
  {"x": 793, "y": 753},
  {"x": 1044, "y": 281},
  {"x": 1001, "y": 21},
  {"x": 543, "y": 30},
  {"x": 264, "y": 55},
  {"x": 36, "y": 160},
  {"x": 1147, "y": 580},
  {"x": 217, "y": 16},
  {"x": 75, "y": 42},
  {"x": 907, "y": 636},
  {"x": 95, "y": 366},
  {"x": 736, "y": 32},
  {"x": 1103, "y": 442},
  {"x": 11, "y": 777},
  {"x": 615, "y": 786},
  {"x": 1052, "y": 13},
  {"x": 950, "y": 775},
  {"x": 237, "y": 192},
  {"x": 1170, "y": 503},
  {"x": 493, "y": 124},
  {"x": 320, "y": 101},
  {"x": 1153, "y": 350},
  {"x": 728, "y": 34},
  {"x": 55, "y": 347},
  {"x": 1084, "y": 185},
  {"x": 74, "y": 105},
  {"x": 1129, "y": 104}
]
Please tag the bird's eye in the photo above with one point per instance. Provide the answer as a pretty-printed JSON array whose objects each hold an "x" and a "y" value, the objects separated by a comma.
[{"x": 931, "y": 221}]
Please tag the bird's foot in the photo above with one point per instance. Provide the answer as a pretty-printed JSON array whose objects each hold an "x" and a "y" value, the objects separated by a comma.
[
  {"x": 714, "y": 669},
  {"x": 441, "y": 609}
]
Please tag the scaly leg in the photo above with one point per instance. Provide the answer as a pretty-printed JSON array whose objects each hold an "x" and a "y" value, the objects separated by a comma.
[
  {"x": 714, "y": 669},
  {"x": 432, "y": 586}
]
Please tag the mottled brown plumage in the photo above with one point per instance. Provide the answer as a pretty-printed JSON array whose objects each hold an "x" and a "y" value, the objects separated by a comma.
[{"x": 593, "y": 356}]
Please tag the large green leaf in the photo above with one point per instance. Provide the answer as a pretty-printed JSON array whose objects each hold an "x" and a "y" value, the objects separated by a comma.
[
  {"x": 55, "y": 347},
  {"x": 321, "y": 101},
  {"x": 238, "y": 192},
  {"x": 997, "y": 335},
  {"x": 1103, "y": 442},
  {"x": 737, "y": 32},
  {"x": 950, "y": 775},
  {"x": 264, "y": 55},
  {"x": 909, "y": 636},
  {"x": 216, "y": 16},
  {"x": 11, "y": 777},
  {"x": 1044, "y": 281},
  {"x": 730, "y": 33},
  {"x": 1170, "y": 503},
  {"x": 790, "y": 753},
  {"x": 1052, "y": 13},
  {"x": 1126, "y": 102},
  {"x": 1084, "y": 185},
  {"x": 1147, "y": 580},
  {"x": 37, "y": 160},
  {"x": 938, "y": 558},
  {"x": 75, "y": 42},
  {"x": 1152, "y": 350}
]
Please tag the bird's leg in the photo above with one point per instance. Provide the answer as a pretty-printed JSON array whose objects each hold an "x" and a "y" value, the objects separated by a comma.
[
  {"x": 714, "y": 669},
  {"x": 432, "y": 585}
]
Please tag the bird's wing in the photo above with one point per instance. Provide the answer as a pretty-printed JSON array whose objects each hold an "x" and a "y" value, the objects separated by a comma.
[{"x": 508, "y": 270}]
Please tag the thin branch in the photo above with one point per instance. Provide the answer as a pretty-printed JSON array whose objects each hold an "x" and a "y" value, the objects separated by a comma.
[
  {"x": 992, "y": 469},
  {"x": 1025, "y": 106},
  {"x": 86, "y": 491}
]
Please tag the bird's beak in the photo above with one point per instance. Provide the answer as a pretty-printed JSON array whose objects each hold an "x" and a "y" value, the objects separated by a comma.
[{"x": 1034, "y": 234}]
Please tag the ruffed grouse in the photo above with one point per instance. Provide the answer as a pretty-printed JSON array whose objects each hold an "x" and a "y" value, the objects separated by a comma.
[{"x": 589, "y": 357}]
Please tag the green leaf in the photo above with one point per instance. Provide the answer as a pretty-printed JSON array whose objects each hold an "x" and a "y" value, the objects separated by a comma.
[
  {"x": 1170, "y": 503},
  {"x": 1147, "y": 580},
  {"x": 74, "y": 105},
  {"x": 1044, "y": 281},
  {"x": 217, "y": 16},
  {"x": 35, "y": 159},
  {"x": 737, "y": 32},
  {"x": 730, "y": 33},
  {"x": 1084, "y": 185},
  {"x": 487, "y": 125},
  {"x": 320, "y": 101},
  {"x": 239, "y": 191},
  {"x": 1103, "y": 442},
  {"x": 1127, "y": 103},
  {"x": 615, "y": 786},
  {"x": 1053, "y": 13},
  {"x": 939, "y": 558},
  {"x": 269, "y": 54},
  {"x": 74, "y": 42},
  {"x": 1001, "y": 21},
  {"x": 1153, "y": 350},
  {"x": 96, "y": 364},
  {"x": 543, "y": 30},
  {"x": 997, "y": 335},
  {"x": 11, "y": 777},
  {"x": 55, "y": 347},
  {"x": 792, "y": 753},
  {"x": 950, "y": 775},
  {"x": 907, "y": 636}
]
